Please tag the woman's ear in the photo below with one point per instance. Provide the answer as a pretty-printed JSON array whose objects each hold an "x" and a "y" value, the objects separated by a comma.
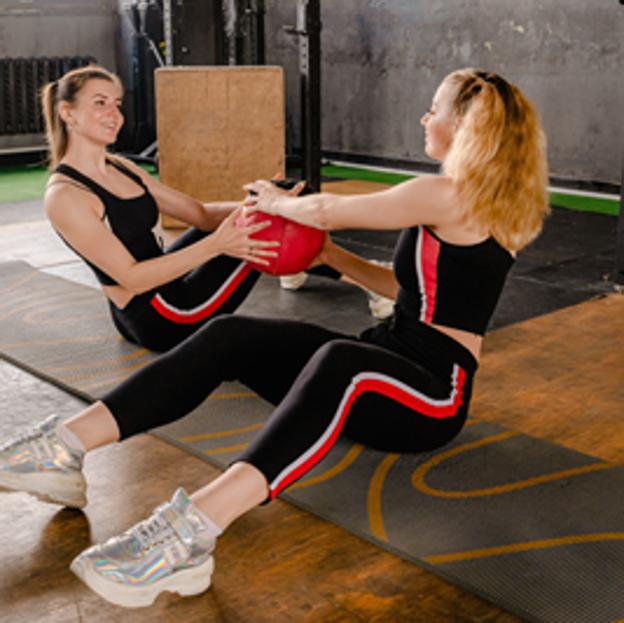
[
  {"x": 64, "y": 111},
  {"x": 457, "y": 122}
]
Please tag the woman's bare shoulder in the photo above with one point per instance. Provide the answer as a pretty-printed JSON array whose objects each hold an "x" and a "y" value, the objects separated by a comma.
[{"x": 63, "y": 194}]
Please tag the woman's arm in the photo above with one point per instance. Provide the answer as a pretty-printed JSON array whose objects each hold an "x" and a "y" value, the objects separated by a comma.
[
  {"x": 204, "y": 216},
  {"x": 379, "y": 279},
  {"x": 426, "y": 200},
  {"x": 76, "y": 215}
]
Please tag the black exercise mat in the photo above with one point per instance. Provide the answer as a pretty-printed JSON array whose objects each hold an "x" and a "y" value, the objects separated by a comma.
[{"x": 531, "y": 526}]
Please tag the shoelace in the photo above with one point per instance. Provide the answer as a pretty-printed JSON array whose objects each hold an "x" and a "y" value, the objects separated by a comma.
[
  {"x": 37, "y": 440},
  {"x": 153, "y": 531}
]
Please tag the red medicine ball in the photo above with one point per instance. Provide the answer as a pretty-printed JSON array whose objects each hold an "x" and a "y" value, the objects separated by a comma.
[{"x": 299, "y": 244}]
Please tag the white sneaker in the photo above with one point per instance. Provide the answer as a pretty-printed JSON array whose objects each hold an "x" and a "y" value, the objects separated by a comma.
[
  {"x": 380, "y": 306},
  {"x": 40, "y": 463},
  {"x": 169, "y": 551},
  {"x": 293, "y": 282}
]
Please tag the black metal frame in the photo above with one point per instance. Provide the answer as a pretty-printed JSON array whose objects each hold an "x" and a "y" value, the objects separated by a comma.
[
  {"x": 249, "y": 44},
  {"x": 310, "y": 72},
  {"x": 618, "y": 271},
  {"x": 308, "y": 29}
]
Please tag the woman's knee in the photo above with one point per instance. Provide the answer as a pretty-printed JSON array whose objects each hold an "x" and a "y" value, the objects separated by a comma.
[
  {"x": 225, "y": 328},
  {"x": 337, "y": 352},
  {"x": 334, "y": 362}
]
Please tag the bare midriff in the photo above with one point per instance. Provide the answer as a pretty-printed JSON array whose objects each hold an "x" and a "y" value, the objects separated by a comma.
[{"x": 470, "y": 341}]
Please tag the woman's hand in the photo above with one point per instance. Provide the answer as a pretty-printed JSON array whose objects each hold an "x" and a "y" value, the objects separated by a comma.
[
  {"x": 238, "y": 242},
  {"x": 263, "y": 195}
]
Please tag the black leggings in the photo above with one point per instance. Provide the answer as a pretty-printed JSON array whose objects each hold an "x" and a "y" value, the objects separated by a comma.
[
  {"x": 162, "y": 318},
  {"x": 322, "y": 384}
]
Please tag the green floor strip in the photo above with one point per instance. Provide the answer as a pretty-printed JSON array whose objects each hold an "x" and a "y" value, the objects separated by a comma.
[
  {"x": 561, "y": 200},
  {"x": 21, "y": 183},
  {"x": 368, "y": 175},
  {"x": 585, "y": 204},
  {"x": 24, "y": 183}
]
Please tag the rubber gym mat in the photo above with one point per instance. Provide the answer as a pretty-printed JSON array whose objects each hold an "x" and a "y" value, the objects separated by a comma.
[{"x": 531, "y": 526}]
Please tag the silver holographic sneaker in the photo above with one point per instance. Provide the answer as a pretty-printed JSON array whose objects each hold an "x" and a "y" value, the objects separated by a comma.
[
  {"x": 39, "y": 463},
  {"x": 169, "y": 551}
]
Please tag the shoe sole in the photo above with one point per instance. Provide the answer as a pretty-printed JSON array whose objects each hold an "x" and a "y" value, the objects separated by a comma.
[
  {"x": 68, "y": 491},
  {"x": 185, "y": 583}
]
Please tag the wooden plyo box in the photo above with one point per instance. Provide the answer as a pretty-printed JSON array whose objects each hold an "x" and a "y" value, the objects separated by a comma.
[{"x": 219, "y": 128}]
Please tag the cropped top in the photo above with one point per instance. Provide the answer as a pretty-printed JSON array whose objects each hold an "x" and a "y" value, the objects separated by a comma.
[
  {"x": 131, "y": 220},
  {"x": 453, "y": 285}
]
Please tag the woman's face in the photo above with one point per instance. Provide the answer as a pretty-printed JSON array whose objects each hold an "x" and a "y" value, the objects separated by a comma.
[
  {"x": 96, "y": 113},
  {"x": 440, "y": 123}
]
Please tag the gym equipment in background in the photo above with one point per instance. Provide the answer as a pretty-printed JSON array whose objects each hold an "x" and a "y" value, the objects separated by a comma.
[
  {"x": 228, "y": 129},
  {"x": 157, "y": 33},
  {"x": 618, "y": 271},
  {"x": 138, "y": 55},
  {"x": 21, "y": 118},
  {"x": 308, "y": 30}
]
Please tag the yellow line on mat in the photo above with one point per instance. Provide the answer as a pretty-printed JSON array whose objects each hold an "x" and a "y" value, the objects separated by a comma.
[
  {"x": 375, "y": 517},
  {"x": 102, "y": 362},
  {"x": 85, "y": 339},
  {"x": 20, "y": 281},
  {"x": 226, "y": 449},
  {"x": 524, "y": 547},
  {"x": 419, "y": 475},
  {"x": 340, "y": 467},
  {"x": 218, "y": 435},
  {"x": 227, "y": 396},
  {"x": 76, "y": 378}
]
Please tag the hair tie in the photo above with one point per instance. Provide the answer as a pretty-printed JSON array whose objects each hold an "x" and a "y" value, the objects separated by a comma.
[{"x": 499, "y": 83}]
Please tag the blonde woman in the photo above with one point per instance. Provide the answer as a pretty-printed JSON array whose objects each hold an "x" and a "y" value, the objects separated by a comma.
[{"x": 403, "y": 386}]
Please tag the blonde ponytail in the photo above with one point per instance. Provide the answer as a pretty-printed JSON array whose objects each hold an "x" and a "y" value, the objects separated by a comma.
[
  {"x": 498, "y": 157},
  {"x": 56, "y": 132}
]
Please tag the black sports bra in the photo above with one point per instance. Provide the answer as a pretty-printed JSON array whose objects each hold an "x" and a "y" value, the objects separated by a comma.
[
  {"x": 131, "y": 220},
  {"x": 447, "y": 284}
]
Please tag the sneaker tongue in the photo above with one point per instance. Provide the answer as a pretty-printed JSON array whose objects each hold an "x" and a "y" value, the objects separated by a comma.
[
  {"x": 49, "y": 424},
  {"x": 182, "y": 516},
  {"x": 181, "y": 501},
  {"x": 189, "y": 523}
]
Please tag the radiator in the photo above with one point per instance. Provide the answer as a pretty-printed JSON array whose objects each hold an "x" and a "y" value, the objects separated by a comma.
[{"x": 21, "y": 80}]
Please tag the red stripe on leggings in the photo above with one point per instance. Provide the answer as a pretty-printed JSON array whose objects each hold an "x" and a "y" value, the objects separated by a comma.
[
  {"x": 211, "y": 305},
  {"x": 385, "y": 389}
]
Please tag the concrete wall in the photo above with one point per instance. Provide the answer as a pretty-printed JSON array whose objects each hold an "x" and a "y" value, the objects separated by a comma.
[
  {"x": 382, "y": 60},
  {"x": 58, "y": 28}
]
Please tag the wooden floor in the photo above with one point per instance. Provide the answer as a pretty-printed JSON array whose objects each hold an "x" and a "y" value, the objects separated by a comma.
[{"x": 558, "y": 377}]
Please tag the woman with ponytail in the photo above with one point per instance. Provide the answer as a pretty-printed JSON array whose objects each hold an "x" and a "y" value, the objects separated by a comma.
[
  {"x": 402, "y": 386},
  {"x": 105, "y": 208}
]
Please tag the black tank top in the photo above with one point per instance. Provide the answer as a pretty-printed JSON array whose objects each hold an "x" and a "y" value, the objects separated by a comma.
[
  {"x": 447, "y": 284},
  {"x": 131, "y": 220}
]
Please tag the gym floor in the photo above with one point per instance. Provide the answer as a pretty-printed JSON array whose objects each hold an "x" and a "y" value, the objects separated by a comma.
[{"x": 272, "y": 565}]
